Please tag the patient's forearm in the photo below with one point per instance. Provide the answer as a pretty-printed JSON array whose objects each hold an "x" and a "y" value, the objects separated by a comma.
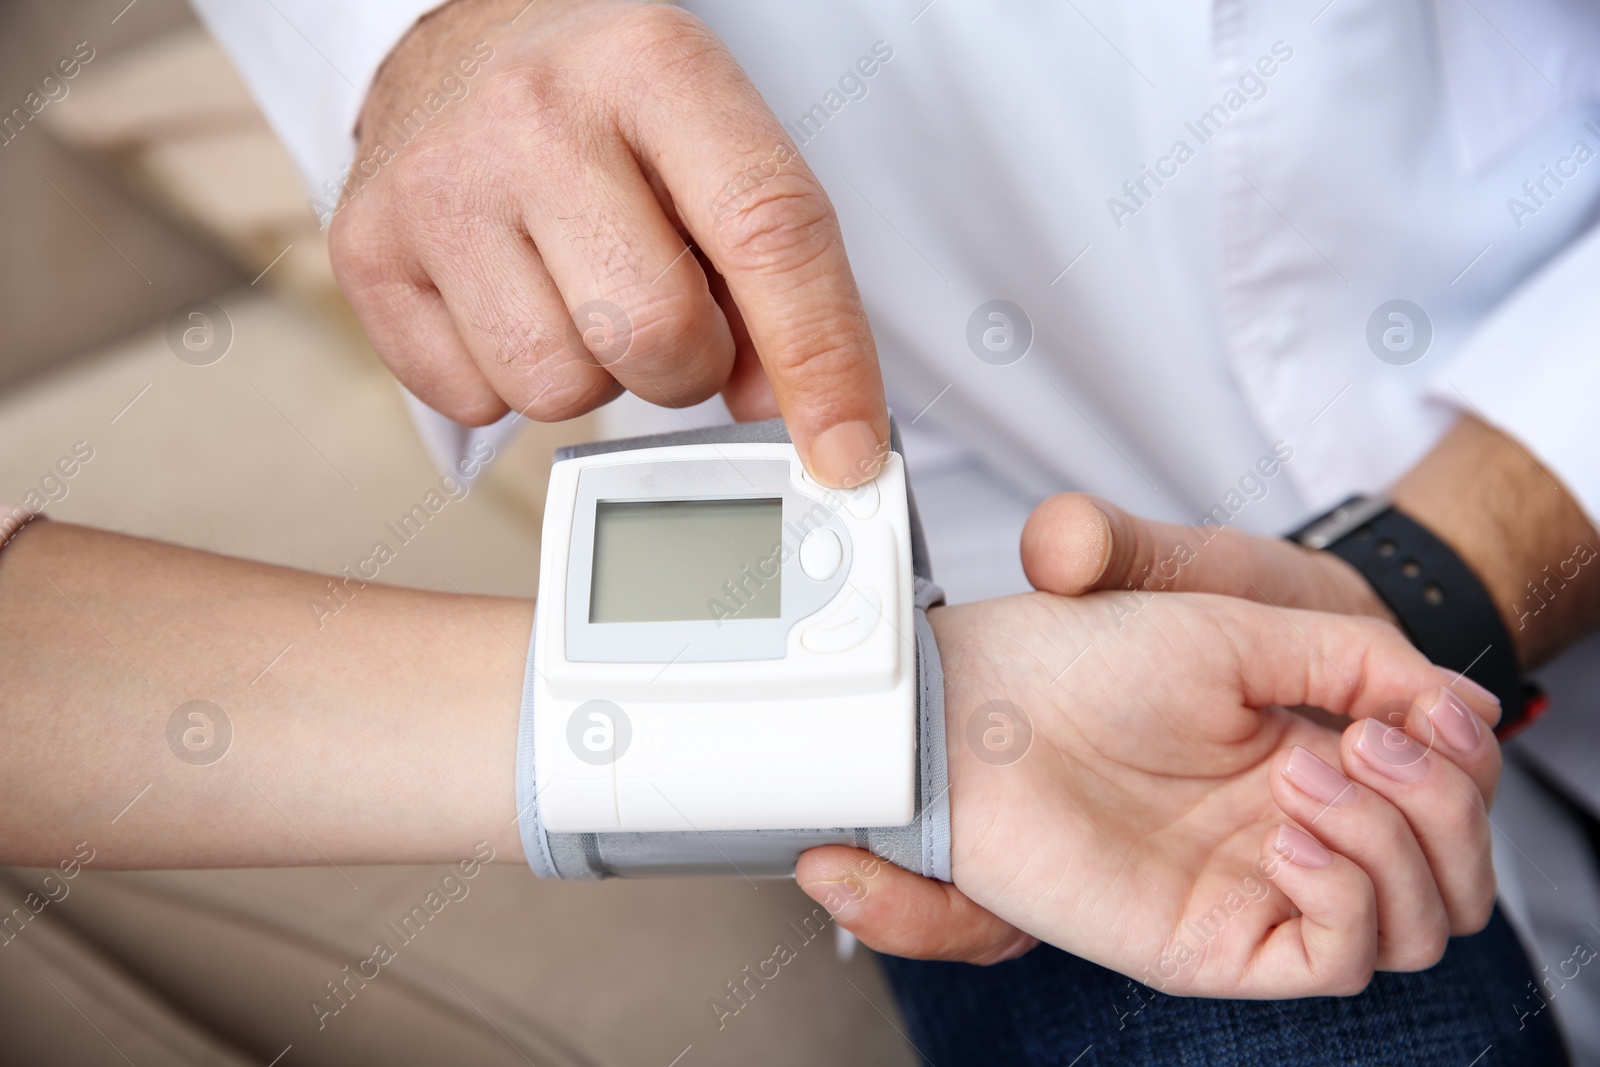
[{"x": 380, "y": 733}]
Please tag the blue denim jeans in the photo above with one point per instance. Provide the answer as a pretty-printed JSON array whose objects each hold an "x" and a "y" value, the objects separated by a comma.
[{"x": 1050, "y": 1007}]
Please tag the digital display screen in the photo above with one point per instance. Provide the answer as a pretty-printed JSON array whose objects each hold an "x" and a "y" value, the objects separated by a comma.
[{"x": 687, "y": 560}]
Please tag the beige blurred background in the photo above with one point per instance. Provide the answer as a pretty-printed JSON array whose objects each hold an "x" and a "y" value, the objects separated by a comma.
[{"x": 155, "y": 182}]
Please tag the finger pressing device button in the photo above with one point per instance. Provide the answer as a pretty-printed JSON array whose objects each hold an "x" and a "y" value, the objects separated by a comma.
[{"x": 731, "y": 663}]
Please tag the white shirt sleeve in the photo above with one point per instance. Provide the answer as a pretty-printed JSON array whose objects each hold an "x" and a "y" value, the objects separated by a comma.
[
  {"x": 1532, "y": 368},
  {"x": 309, "y": 64}
]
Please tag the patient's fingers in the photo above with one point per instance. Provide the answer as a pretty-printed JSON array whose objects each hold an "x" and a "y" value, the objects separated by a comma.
[
  {"x": 1445, "y": 723},
  {"x": 1411, "y": 764},
  {"x": 903, "y": 914},
  {"x": 1329, "y": 948},
  {"x": 1359, "y": 824}
]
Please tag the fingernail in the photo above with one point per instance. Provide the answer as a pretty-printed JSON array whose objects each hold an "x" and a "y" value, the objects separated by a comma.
[
  {"x": 1455, "y": 722},
  {"x": 1467, "y": 685},
  {"x": 842, "y": 899},
  {"x": 1301, "y": 849},
  {"x": 1314, "y": 777},
  {"x": 846, "y": 455},
  {"x": 1391, "y": 753}
]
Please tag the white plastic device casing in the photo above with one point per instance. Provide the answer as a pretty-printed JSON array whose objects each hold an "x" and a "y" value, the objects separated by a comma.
[{"x": 824, "y": 736}]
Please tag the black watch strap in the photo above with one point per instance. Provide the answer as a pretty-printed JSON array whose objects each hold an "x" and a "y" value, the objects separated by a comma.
[{"x": 1438, "y": 600}]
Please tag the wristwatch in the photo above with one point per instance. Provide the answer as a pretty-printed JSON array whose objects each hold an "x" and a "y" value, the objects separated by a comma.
[{"x": 1437, "y": 599}]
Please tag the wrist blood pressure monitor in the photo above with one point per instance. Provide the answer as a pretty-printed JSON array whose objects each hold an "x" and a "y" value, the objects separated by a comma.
[{"x": 730, "y": 664}]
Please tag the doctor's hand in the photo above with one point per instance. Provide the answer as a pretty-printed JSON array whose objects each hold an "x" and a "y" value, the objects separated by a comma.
[
  {"x": 555, "y": 202},
  {"x": 1133, "y": 791}
]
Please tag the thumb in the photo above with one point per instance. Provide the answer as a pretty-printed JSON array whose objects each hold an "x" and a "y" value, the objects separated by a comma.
[
  {"x": 1074, "y": 543},
  {"x": 903, "y": 914}
]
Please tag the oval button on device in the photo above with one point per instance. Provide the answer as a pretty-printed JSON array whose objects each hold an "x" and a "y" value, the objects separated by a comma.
[
  {"x": 820, "y": 554},
  {"x": 848, "y": 626},
  {"x": 862, "y": 501}
]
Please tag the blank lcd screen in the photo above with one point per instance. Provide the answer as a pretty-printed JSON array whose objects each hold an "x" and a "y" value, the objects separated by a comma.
[{"x": 686, "y": 560}]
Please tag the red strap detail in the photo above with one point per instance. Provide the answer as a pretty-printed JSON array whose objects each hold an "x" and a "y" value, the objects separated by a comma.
[{"x": 1538, "y": 703}]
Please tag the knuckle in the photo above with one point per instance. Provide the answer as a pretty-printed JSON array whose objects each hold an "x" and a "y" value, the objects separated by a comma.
[
  {"x": 558, "y": 395},
  {"x": 387, "y": 309},
  {"x": 1474, "y": 915},
  {"x": 544, "y": 102},
  {"x": 1434, "y": 951},
  {"x": 1353, "y": 981},
  {"x": 616, "y": 250},
  {"x": 1386, "y": 637},
  {"x": 1378, "y": 632},
  {"x": 1388, "y": 832},
  {"x": 471, "y": 411},
  {"x": 822, "y": 359},
  {"x": 438, "y": 195},
  {"x": 1459, "y": 817},
  {"x": 1364, "y": 913},
  {"x": 669, "y": 324},
  {"x": 365, "y": 250},
  {"x": 677, "y": 351},
  {"x": 1424, "y": 950},
  {"x": 664, "y": 39},
  {"x": 513, "y": 337},
  {"x": 785, "y": 225},
  {"x": 351, "y": 254},
  {"x": 434, "y": 199},
  {"x": 456, "y": 391}
]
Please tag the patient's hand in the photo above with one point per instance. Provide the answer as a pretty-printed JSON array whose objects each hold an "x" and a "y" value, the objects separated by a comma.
[{"x": 1150, "y": 822}]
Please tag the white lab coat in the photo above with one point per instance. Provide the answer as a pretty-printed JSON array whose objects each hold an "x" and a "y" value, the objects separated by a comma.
[{"x": 1205, "y": 211}]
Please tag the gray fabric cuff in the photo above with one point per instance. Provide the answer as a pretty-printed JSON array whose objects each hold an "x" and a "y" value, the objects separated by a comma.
[{"x": 922, "y": 846}]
